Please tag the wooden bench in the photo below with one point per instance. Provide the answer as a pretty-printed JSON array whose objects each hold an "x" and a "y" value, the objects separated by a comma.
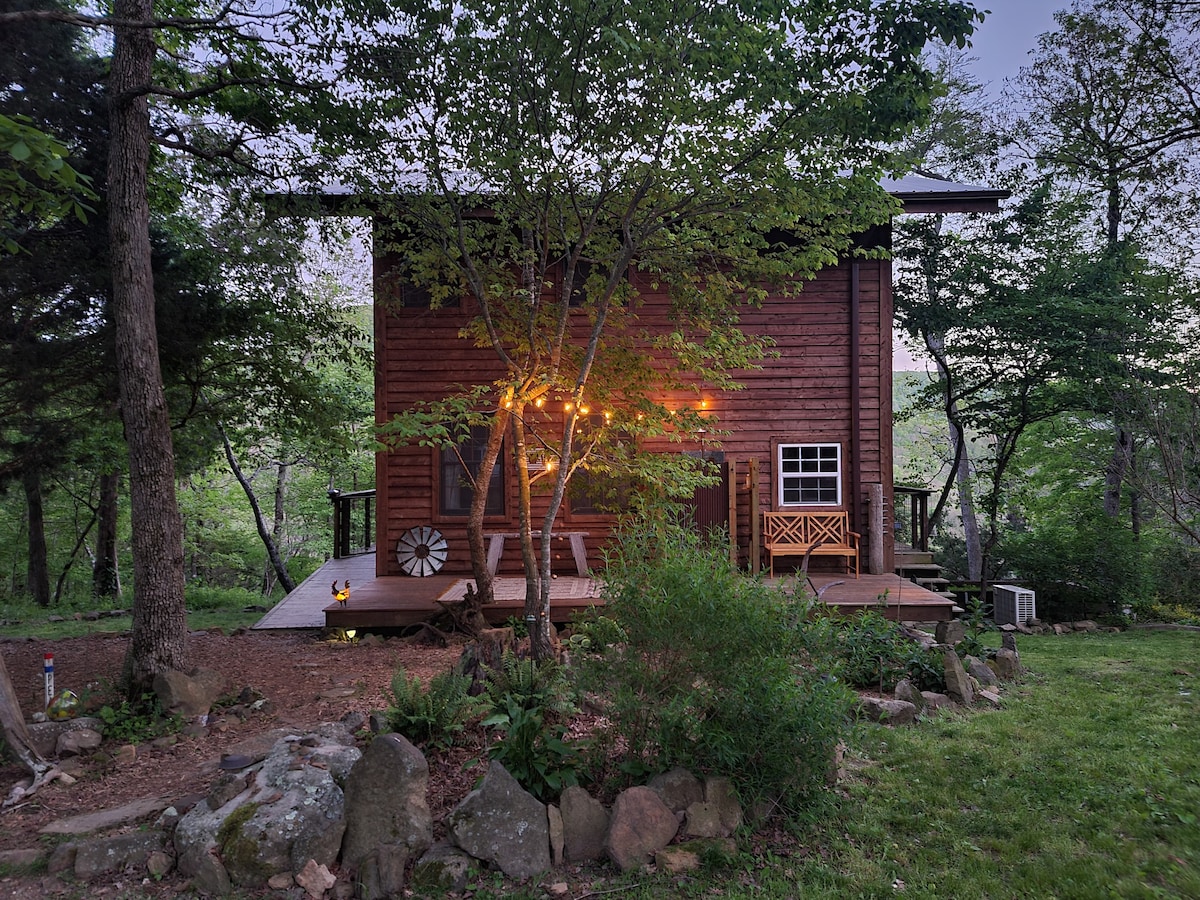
[
  {"x": 578, "y": 548},
  {"x": 805, "y": 533}
]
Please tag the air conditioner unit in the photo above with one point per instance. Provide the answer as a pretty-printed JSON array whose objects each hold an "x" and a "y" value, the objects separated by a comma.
[{"x": 1012, "y": 605}]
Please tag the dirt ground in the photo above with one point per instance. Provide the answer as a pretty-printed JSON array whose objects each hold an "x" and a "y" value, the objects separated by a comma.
[{"x": 306, "y": 681}]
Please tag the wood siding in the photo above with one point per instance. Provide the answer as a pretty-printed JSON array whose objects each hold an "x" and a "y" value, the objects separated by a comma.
[{"x": 804, "y": 395}]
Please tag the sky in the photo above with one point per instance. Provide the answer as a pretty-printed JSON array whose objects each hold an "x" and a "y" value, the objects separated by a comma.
[{"x": 1002, "y": 43}]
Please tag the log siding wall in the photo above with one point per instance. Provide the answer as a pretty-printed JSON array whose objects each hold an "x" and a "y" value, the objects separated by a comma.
[{"x": 803, "y": 395}]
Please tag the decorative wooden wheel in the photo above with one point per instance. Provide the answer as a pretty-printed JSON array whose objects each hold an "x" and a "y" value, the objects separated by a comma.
[{"x": 421, "y": 551}]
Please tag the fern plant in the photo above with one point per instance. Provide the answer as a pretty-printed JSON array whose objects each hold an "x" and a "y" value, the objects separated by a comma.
[
  {"x": 435, "y": 716},
  {"x": 531, "y": 685}
]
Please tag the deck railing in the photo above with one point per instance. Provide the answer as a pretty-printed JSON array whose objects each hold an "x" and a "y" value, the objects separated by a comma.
[
  {"x": 353, "y": 523},
  {"x": 918, "y": 514}
]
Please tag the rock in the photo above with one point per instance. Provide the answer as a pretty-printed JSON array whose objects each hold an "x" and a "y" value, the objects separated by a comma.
[
  {"x": 719, "y": 792},
  {"x": 1061, "y": 629},
  {"x": 503, "y": 824},
  {"x": 108, "y": 818},
  {"x": 690, "y": 856},
  {"x": 833, "y": 774},
  {"x": 62, "y": 859},
  {"x": 386, "y": 800},
  {"x": 1086, "y": 625},
  {"x": 281, "y": 882},
  {"x": 158, "y": 864},
  {"x": 640, "y": 826},
  {"x": 315, "y": 878},
  {"x": 188, "y": 695},
  {"x": 906, "y": 691},
  {"x": 585, "y": 824},
  {"x": 980, "y": 671},
  {"x": 21, "y": 859},
  {"x": 958, "y": 686},
  {"x": 934, "y": 700},
  {"x": 889, "y": 712},
  {"x": 951, "y": 632},
  {"x": 381, "y": 871},
  {"x": 442, "y": 870},
  {"x": 1009, "y": 642},
  {"x": 703, "y": 820},
  {"x": 678, "y": 788},
  {"x": 227, "y": 786},
  {"x": 97, "y": 856},
  {"x": 675, "y": 860},
  {"x": 1007, "y": 664},
  {"x": 125, "y": 755},
  {"x": 292, "y": 810},
  {"x": 78, "y": 741},
  {"x": 554, "y": 821},
  {"x": 45, "y": 735},
  {"x": 990, "y": 697},
  {"x": 558, "y": 889},
  {"x": 354, "y": 721}
]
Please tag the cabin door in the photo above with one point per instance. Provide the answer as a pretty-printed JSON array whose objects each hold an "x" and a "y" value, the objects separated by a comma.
[{"x": 709, "y": 506}]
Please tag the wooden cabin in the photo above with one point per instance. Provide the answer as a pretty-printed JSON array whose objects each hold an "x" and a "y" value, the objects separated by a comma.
[{"x": 810, "y": 431}]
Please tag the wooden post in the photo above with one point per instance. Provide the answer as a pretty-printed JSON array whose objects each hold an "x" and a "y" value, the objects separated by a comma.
[
  {"x": 755, "y": 518},
  {"x": 731, "y": 483},
  {"x": 875, "y": 524}
]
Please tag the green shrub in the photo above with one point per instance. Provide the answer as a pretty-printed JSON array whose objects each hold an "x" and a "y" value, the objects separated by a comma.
[
  {"x": 1169, "y": 613},
  {"x": 718, "y": 672},
  {"x": 136, "y": 722},
  {"x": 433, "y": 717},
  {"x": 201, "y": 597},
  {"x": 874, "y": 653}
]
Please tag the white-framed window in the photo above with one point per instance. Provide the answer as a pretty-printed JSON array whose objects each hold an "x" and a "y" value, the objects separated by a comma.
[{"x": 810, "y": 474}]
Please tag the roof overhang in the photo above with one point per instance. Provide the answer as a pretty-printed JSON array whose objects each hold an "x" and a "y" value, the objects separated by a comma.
[{"x": 919, "y": 194}]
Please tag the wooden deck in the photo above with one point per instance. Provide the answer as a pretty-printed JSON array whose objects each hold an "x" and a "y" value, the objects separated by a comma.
[{"x": 399, "y": 601}]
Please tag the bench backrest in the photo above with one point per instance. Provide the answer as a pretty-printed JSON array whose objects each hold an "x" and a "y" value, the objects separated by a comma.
[{"x": 806, "y": 528}]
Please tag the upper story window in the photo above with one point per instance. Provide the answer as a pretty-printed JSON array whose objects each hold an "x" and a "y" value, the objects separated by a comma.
[
  {"x": 456, "y": 489},
  {"x": 810, "y": 474}
]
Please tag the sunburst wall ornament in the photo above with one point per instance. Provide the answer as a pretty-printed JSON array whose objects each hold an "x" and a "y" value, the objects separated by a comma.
[{"x": 421, "y": 551}]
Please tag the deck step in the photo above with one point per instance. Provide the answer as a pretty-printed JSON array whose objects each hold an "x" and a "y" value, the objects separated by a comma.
[
  {"x": 932, "y": 584},
  {"x": 905, "y": 568},
  {"x": 913, "y": 556}
]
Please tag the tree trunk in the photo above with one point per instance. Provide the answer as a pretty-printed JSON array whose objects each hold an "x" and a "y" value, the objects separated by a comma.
[
  {"x": 37, "y": 579},
  {"x": 483, "y": 478},
  {"x": 259, "y": 522},
  {"x": 158, "y": 642},
  {"x": 279, "y": 519},
  {"x": 106, "y": 572},
  {"x": 12, "y": 725}
]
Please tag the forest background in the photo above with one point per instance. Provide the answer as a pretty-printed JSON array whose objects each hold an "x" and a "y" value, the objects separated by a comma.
[{"x": 1057, "y": 425}]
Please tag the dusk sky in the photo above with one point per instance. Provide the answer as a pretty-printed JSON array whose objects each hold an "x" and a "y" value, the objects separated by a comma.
[{"x": 1002, "y": 43}]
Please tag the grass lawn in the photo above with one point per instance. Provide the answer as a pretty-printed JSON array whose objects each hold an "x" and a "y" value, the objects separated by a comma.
[{"x": 1086, "y": 784}]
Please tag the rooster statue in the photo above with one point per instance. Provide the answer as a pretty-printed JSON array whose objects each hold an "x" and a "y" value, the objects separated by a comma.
[{"x": 342, "y": 595}]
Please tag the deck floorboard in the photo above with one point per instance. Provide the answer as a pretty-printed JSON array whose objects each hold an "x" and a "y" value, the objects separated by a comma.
[{"x": 398, "y": 601}]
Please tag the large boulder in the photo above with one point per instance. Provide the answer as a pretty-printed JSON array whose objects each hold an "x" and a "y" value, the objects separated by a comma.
[
  {"x": 292, "y": 810},
  {"x": 958, "y": 684},
  {"x": 386, "y": 800},
  {"x": 189, "y": 694},
  {"x": 503, "y": 824},
  {"x": 585, "y": 824},
  {"x": 678, "y": 788},
  {"x": 640, "y": 826}
]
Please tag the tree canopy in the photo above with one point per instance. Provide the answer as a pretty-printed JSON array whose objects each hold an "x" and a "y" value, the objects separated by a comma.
[{"x": 715, "y": 147}]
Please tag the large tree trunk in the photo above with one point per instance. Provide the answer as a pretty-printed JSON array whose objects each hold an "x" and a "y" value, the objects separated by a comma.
[
  {"x": 37, "y": 580},
  {"x": 159, "y": 638},
  {"x": 106, "y": 570}
]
